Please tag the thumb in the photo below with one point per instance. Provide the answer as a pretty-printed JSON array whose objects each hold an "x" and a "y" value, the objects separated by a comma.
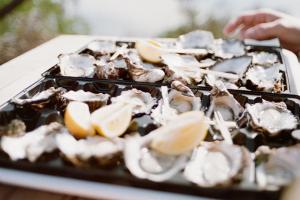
[{"x": 263, "y": 31}]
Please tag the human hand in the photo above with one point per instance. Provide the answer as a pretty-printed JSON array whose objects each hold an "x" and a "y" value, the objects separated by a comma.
[{"x": 268, "y": 24}]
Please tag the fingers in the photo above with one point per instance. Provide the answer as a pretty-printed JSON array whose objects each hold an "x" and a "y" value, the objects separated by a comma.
[
  {"x": 251, "y": 19},
  {"x": 263, "y": 31}
]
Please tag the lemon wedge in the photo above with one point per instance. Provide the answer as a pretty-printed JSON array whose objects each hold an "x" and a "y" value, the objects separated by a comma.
[
  {"x": 149, "y": 50},
  {"x": 180, "y": 135},
  {"x": 112, "y": 120},
  {"x": 78, "y": 119}
]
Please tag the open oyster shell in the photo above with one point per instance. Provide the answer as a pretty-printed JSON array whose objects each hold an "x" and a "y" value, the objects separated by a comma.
[
  {"x": 215, "y": 164},
  {"x": 263, "y": 58},
  {"x": 265, "y": 78},
  {"x": 41, "y": 99},
  {"x": 145, "y": 163},
  {"x": 111, "y": 69},
  {"x": 142, "y": 72},
  {"x": 277, "y": 167},
  {"x": 81, "y": 152},
  {"x": 77, "y": 65},
  {"x": 271, "y": 117},
  {"x": 142, "y": 101},
  {"x": 102, "y": 47},
  {"x": 228, "y": 48},
  {"x": 94, "y": 101},
  {"x": 196, "y": 39},
  {"x": 33, "y": 144}
]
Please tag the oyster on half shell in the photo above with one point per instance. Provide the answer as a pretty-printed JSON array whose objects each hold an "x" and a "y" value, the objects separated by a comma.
[
  {"x": 77, "y": 65},
  {"x": 271, "y": 117},
  {"x": 80, "y": 152},
  {"x": 32, "y": 144},
  {"x": 215, "y": 164},
  {"x": 111, "y": 69},
  {"x": 142, "y": 101}
]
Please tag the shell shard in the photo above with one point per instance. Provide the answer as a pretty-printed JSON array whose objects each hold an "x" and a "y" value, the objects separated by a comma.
[
  {"x": 77, "y": 65},
  {"x": 282, "y": 118},
  {"x": 142, "y": 101},
  {"x": 196, "y": 39},
  {"x": 228, "y": 48},
  {"x": 33, "y": 144},
  {"x": 81, "y": 152},
  {"x": 102, "y": 47},
  {"x": 263, "y": 58}
]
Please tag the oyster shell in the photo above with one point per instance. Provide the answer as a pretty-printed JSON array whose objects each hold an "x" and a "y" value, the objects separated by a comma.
[
  {"x": 33, "y": 144},
  {"x": 271, "y": 117},
  {"x": 77, "y": 65},
  {"x": 102, "y": 47},
  {"x": 229, "y": 84},
  {"x": 94, "y": 101},
  {"x": 142, "y": 101},
  {"x": 265, "y": 78},
  {"x": 196, "y": 39},
  {"x": 41, "y": 99},
  {"x": 228, "y": 48},
  {"x": 142, "y": 72},
  {"x": 80, "y": 152},
  {"x": 184, "y": 67},
  {"x": 264, "y": 58},
  {"x": 111, "y": 69},
  {"x": 146, "y": 163},
  {"x": 219, "y": 164},
  {"x": 15, "y": 128},
  {"x": 278, "y": 167},
  {"x": 225, "y": 103},
  {"x": 206, "y": 63}
]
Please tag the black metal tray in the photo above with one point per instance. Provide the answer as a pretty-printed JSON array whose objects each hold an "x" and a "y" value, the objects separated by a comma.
[
  {"x": 53, "y": 164},
  {"x": 54, "y": 72}
]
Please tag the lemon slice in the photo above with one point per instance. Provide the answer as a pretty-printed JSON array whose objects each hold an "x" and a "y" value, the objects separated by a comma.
[
  {"x": 149, "y": 50},
  {"x": 78, "y": 119},
  {"x": 180, "y": 135},
  {"x": 112, "y": 120}
]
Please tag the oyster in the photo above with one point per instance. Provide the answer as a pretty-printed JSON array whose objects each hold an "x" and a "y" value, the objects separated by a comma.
[
  {"x": 77, "y": 65},
  {"x": 223, "y": 102},
  {"x": 111, "y": 69},
  {"x": 142, "y": 72},
  {"x": 277, "y": 167},
  {"x": 102, "y": 47},
  {"x": 206, "y": 63},
  {"x": 14, "y": 128},
  {"x": 80, "y": 152},
  {"x": 264, "y": 78},
  {"x": 196, "y": 39},
  {"x": 41, "y": 99},
  {"x": 33, "y": 144},
  {"x": 238, "y": 65},
  {"x": 183, "y": 67},
  {"x": 271, "y": 117},
  {"x": 228, "y": 48},
  {"x": 229, "y": 83},
  {"x": 215, "y": 164},
  {"x": 145, "y": 163},
  {"x": 142, "y": 101},
  {"x": 94, "y": 101},
  {"x": 264, "y": 58}
]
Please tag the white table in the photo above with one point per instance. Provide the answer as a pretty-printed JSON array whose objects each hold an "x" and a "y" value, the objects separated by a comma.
[{"x": 26, "y": 69}]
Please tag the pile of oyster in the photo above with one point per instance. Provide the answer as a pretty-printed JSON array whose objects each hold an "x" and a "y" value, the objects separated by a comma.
[
  {"x": 152, "y": 146},
  {"x": 195, "y": 58}
]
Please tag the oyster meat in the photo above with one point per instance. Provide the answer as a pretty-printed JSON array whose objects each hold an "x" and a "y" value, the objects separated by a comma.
[
  {"x": 81, "y": 152},
  {"x": 142, "y": 101},
  {"x": 40, "y": 99},
  {"x": 215, "y": 164},
  {"x": 228, "y": 48},
  {"x": 264, "y": 58},
  {"x": 33, "y": 144},
  {"x": 94, "y": 101},
  {"x": 196, "y": 39},
  {"x": 77, "y": 65},
  {"x": 142, "y": 72},
  {"x": 102, "y": 47},
  {"x": 145, "y": 163},
  {"x": 278, "y": 167},
  {"x": 265, "y": 78},
  {"x": 271, "y": 117}
]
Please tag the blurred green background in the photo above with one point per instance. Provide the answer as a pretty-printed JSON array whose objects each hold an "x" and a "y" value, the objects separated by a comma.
[{"x": 25, "y": 24}]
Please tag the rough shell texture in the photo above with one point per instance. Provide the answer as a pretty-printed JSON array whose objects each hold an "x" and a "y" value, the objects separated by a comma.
[
  {"x": 102, "y": 47},
  {"x": 196, "y": 39},
  {"x": 264, "y": 58},
  {"x": 228, "y": 48}
]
